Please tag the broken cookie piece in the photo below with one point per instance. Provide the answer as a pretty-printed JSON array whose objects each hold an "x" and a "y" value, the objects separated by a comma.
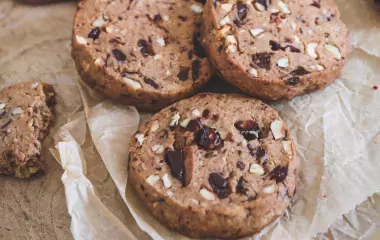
[
  {"x": 26, "y": 115},
  {"x": 142, "y": 53},
  {"x": 228, "y": 156}
]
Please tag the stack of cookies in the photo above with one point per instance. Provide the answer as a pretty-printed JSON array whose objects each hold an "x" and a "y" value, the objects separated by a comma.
[{"x": 215, "y": 165}]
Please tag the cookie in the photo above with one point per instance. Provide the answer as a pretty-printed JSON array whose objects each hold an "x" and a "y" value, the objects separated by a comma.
[
  {"x": 143, "y": 53},
  {"x": 276, "y": 49},
  {"x": 26, "y": 114},
  {"x": 214, "y": 165}
]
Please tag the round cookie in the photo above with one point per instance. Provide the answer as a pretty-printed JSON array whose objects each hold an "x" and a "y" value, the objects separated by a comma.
[
  {"x": 215, "y": 165},
  {"x": 275, "y": 49},
  {"x": 143, "y": 53}
]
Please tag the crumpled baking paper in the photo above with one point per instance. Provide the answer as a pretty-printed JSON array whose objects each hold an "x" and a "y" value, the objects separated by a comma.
[{"x": 336, "y": 132}]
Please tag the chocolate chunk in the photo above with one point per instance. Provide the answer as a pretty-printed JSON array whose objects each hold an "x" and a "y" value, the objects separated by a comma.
[
  {"x": 206, "y": 113},
  {"x": 196, "y": 66},
  {"x": 175, "y": 161},
  {"x": 201, "y": 1},
  {"x": 293, "y": 81},
  {"x": 219, "y": 185},
  {"x": 146, "y": 48},
  {"x": 260, "y": 152},
  {"x": 299, "y": 71},
  {"x": 183, "y": 74},
  {"x": 198, "y": 49},
  {"x": 248, "y": 128},
  {"x": 316, "y": 4},
  {"x": 275, "y": 46},
  {"x": 252, "y": 198},
  {"x": 262, "y": 60},
  {"x": 119, "y": 55},
  {"x": 240, "y": 186},
  {"x": 151, "y": 82},
  {"x": 94, "y": 34},
  {"x": 240, "y": 165},
  {"x": 241, "y": 11},
  {"x": 194, "y": 125},
  {"x": 279, "y": 174},
  {"x": 183, "y": 18},
  {"x": 157, "y": 18},
  {"x": 238, "y": 23},
  {"x": 208, "y": 138}
]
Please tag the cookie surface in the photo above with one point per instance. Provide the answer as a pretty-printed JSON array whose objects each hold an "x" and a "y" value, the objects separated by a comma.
[
  {"x": 144, "y": 53},
  {"x": 26, "y": 115},
  {"x": 276, "y": 49},
  {"x": 214, "y": 165}
]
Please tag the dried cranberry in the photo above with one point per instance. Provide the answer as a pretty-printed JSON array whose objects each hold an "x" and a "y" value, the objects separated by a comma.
[
  {"x": 146, "y": 48},
  {"x": 248, "y": 128},
  {"x": 208, "y": 139},
  {"x": 241, "y": 10},
  {"x": 279, "y": 174},
  {"x": 275, "y": 46},
  {"x": 119, "y": 55},
  {"x": 293, "y": 80},
  {"x": 316, "y": 4},
  {"x": 194, "y": 125},
  {"x": 219, "y": 185},
  {"x": 198, "y": 49},
  {"x": 240, "y": 186},
  {"x": 262, "y": 60},
  {"x": 196, "y": 66},
  {"x": 151, "y": 82},
  {"x": 157, "y": 18},
  {"x": 206, "y": 113},
  {"x": 94, "y": 34},
  {"x": 299, "y": 71},
  {"x": 175, "y": 161},
  {"x": 240, "y": 164},
  {"x": 183, "y": 74}
]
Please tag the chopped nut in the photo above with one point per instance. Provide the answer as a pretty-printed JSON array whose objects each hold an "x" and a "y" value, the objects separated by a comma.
[
  {"x": 196, "y": 202},
  {"x": 185, "y": 122},
  {"x": 155, "y": 126},
  {"x": 283, "y": 7},
  {"x": 140, "y": 138},
  {"x": 320, "y": 67},
  {"x": 170, "y": 194},
  {"x": 311, "y": 50},
  {"x": 334, "y": 50},
  {"x": 224, "y": 21},
  {"x": 269, "y": 189},
  {"x": 30, "y": 122},
  {"x": 158, "y": 148},
  {"x": 253, "y": 72},
  {"x": 274, "y": 10},
  {"x": 224, "y": 30},
  {"x": 207, "y": 194},
  {"x": 244, "y": 142},
  {"x": 166, "y": 18},
  {"x": 34, "y": 85},
  {"x": 132, "y": 83},
  {"x": 296, "y": 38},
  {"x": 288, "y": 147},
  {"x": 2, "y": 105},
  {"x": 202, "y": 164},
  {"x": 99, "y": 22},
  {"x": 98, "y": 62},
  {"x": 157, "y": 56},
  {"x": 277, "y": 128},
  {"x": 259, "y": 7},
  {"x": 175, "y": 119},
  {"x": 109, "y": 29},
  {"x": 231, "y": 39},
  {"x": 17, "y": 111},
  {"x": 166, "y": 180},
  {"x": 256, "y": 31},
  {"x": 161, "y": 41},
  {"x": 168, "y": 73},
  {"x": 196, "y": 113},
  {"x": 227, "y": 7},
  {"x": 152, "y": 179},
  {"x": 81, "y": 40},
  {"x": 231, "y": 48},
  {"x": 283, "y": 62},
  {"x": 272, "y": 164},
  {"x": 196, "y": 8},
  {"x": 294, "y": 27},
  {"x": 256, "y": 169}
]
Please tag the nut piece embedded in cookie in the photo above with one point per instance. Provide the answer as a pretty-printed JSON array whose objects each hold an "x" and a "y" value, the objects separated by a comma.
[{"x": 277, "y": 128}]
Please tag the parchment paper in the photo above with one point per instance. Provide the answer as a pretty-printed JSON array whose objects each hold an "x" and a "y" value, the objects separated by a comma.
[{"x": 335, "y": 130}]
